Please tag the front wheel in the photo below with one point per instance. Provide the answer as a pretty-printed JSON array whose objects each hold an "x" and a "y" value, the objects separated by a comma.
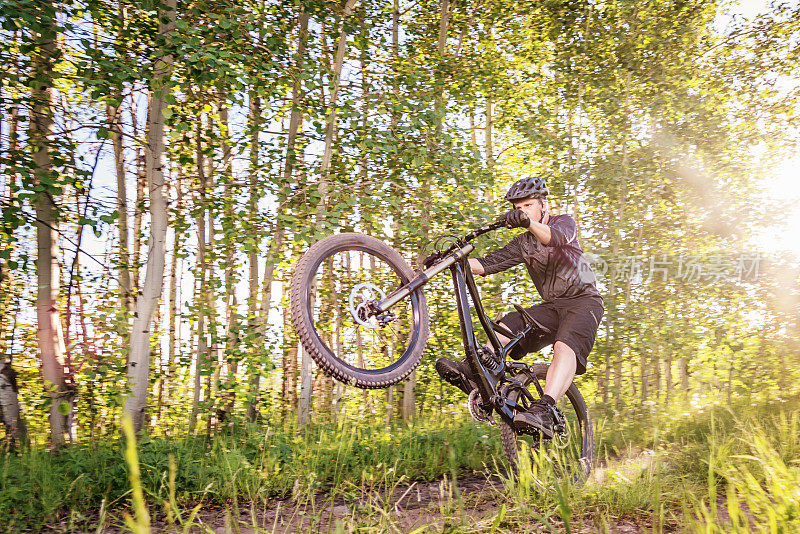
[
  {"x": 570, "y": 452},
  {"x": 331, "y": 286}
]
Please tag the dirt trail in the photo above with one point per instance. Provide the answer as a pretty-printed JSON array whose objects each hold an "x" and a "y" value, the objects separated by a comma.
[
  {"x": 406, "y": 507},
  {"x": 471, "y": 504}
]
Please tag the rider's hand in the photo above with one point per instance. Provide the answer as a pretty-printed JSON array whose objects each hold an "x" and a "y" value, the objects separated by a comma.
[
  {"x": 431, "y": 260},
  {"x": 516, "y": 219}
]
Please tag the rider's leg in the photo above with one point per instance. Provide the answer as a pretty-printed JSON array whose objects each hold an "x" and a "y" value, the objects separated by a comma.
[
  {"x": 561, "y": 371},
  {"x": 575, "y": 333},
  {"x": 559, "y": 377}
]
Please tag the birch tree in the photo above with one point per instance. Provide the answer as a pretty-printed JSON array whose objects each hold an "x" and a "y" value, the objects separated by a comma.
[
  {"x": 114, "y": 116},
  {"x": 10, "y": 410},
  {"x": 55, "y": 372},
  {"x": 139, "y": 361}
]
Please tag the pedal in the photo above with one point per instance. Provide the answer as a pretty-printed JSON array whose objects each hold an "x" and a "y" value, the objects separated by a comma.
[
  {"x": 528, "y": 432},
  {"x": 476, "y": 410},
  {"x": 561, "y": 435},
  {"x": 559, "y": 421}
]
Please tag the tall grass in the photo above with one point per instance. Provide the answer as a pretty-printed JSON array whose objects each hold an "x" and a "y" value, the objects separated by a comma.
[
  {"x": 754, "y": 479},
  {"x": 724, "y": 470},
  {"x": 140, "y": 522},
  {"x": 38, "y": 487}
]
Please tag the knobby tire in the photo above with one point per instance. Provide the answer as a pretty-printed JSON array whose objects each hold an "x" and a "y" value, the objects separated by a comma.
[
  {"x": 303, "y": 320},
  {"x": 511, "y": 440}
]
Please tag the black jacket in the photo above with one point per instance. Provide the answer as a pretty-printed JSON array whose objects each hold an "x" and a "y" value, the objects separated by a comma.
[{"x": 558, "y": 270}]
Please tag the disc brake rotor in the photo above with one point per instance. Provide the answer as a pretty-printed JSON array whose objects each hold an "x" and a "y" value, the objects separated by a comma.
[{"x": 360, "y": 296}]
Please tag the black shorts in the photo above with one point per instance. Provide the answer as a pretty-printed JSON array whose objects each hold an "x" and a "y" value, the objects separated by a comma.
[{"x": 574, "y": 322}]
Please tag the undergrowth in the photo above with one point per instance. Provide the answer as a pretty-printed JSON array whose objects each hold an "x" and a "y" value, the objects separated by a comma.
[
  {"x": 726, "y": 469},
  {"x": 38, "y": 487}
]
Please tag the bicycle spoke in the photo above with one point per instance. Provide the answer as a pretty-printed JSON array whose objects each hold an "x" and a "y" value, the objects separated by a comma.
[{"x": 345, "y": 280}]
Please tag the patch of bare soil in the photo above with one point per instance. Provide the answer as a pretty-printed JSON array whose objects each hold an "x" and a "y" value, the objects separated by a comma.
[
  {"x": 468, "y": 503},
  {"x": 406, "y": 508}
]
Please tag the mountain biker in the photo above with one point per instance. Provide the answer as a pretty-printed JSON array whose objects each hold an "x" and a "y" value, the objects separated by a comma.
[{"x": 572, "y": 308}]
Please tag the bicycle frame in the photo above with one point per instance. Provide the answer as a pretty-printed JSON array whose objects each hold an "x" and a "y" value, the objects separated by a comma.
[{"x": 466, "y": 288}]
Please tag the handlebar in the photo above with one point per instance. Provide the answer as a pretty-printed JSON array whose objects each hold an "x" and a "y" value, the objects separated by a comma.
[
  {"x": 474, "y": 234},
  {"x": 379, "y": 307},
  {"x": 484, "y": 230}
]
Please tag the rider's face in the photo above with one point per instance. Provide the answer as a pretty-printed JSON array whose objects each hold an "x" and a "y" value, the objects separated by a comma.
[{"x": 533, "y": 208}]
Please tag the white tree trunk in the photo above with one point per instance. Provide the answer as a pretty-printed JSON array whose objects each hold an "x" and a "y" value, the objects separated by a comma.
[
  {"x": 10, "y": 412},
  {"x": 253, "y": 368},
  {"x": 139, "y": 361},
  {"x": 389, "y": 404},
  {"x": 49, "y": 333},
  {"x": 9, "y": 401},
  {"x": 141, "y": 177},
  {"x": 330, "y": 127},
  {"x": 114, "y": 116},
  {"x": 201, "y": 290},
  {"x": 229, "y": 247},
  {"x": 115, "y": 128},
  {"x": 304, "y": 401},
  {"x": 409, "y": 396},
  {"x": 292, "y": 157},
  {"x": 488, "y": 136},
  {"x": 306, "y": 383},
  {"x": 174, "y": 298}
]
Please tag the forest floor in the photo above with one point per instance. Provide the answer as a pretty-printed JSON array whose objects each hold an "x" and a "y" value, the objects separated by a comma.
[
  {"x": 472, "y": 502},
  {"x": 722, "y": 470}
]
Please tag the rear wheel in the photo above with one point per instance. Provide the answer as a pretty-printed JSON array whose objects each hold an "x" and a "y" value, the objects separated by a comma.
[
  {"x": 570, "y": 452},
  {"x": 331, "y": 287}
]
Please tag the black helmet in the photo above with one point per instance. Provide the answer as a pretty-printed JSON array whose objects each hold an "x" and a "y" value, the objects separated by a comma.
[{"x": 528, "y": 187}]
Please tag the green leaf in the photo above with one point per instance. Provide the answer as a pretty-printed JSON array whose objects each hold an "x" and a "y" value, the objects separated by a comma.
[{"x": 110, "y": 218}]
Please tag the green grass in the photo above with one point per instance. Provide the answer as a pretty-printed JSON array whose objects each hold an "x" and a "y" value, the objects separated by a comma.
[
  {"x": 722, "y": 470},
  {"x": 38, "y": 487}
]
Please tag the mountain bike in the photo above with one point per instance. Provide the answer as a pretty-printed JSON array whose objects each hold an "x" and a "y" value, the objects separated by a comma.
[{"x": 360, "y": 312}]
